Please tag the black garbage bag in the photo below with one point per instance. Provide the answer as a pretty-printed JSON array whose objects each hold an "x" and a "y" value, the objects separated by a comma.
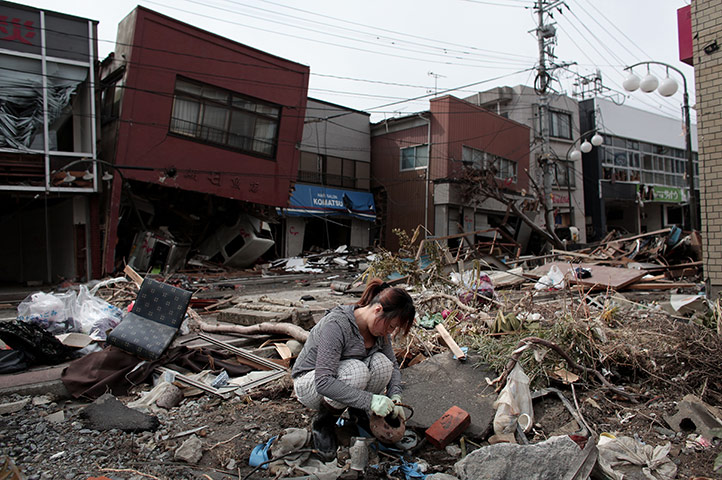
[
  {"x": 39, "y": 346},
  {"x": 12, "y": 361}
]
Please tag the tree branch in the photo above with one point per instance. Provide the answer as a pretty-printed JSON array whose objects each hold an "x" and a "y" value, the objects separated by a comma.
[{"x": 524, "y": 343}]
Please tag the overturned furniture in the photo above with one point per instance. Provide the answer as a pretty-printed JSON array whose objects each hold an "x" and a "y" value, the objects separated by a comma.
[{"x": 149, "y": 328}]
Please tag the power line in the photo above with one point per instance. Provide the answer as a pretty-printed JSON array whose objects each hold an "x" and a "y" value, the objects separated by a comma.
[
  {"x": 396, "y": 32},
  {"x": 375, "y": 52},
  {"x": 467, "y": 51}
]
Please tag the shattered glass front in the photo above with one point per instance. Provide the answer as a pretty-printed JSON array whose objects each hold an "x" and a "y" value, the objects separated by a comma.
[{"x": 47, "y": 106}]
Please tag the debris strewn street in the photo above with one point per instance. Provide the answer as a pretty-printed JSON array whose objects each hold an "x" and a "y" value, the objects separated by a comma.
[{"x": 604, "y": 361}]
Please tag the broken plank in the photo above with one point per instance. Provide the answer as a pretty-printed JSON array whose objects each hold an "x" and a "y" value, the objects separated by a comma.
[
  {"x": 453, "y": 346},
  {"x": 133, "y": 275}
]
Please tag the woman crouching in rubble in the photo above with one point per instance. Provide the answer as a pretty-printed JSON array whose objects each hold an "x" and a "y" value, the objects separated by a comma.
[{"x": 348, "y": 361}]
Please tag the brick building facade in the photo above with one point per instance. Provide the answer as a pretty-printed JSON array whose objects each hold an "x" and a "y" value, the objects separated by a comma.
[{"x": 707, "y": 58}]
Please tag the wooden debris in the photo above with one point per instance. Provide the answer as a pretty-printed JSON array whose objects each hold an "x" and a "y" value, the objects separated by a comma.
[
  {"x": 602, "y": 276},
  {"x": 453, "y": 346}
]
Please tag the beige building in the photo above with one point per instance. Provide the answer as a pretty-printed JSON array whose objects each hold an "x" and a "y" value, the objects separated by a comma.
[
  {"x": 707, "y": 58},
  {"x": 521, "y": 104}
]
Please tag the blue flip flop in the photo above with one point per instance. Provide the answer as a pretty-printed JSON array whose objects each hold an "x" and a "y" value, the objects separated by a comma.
[{"x": 259, "y": 454}]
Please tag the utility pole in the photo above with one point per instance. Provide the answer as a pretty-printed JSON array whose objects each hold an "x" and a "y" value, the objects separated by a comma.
[{"x": 545, "y": 36}]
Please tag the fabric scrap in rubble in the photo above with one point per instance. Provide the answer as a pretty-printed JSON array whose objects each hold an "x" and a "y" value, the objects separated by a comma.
[{"x": 115, "y": 370}]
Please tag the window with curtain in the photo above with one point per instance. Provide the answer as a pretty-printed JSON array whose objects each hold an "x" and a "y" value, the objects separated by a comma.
[
  {"x": 560, "y": 124},
  {"x": 221, "y": 117}
]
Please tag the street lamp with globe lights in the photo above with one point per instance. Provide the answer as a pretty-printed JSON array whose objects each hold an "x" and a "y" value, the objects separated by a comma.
[
  {"x": 574, "y": 155},
  {"x": 668, "y": 87}
]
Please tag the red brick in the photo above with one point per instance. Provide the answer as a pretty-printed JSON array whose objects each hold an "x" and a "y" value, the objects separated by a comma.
[{"x": 447, "y": 428}]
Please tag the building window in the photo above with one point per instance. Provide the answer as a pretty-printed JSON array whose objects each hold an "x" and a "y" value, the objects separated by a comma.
[
  {"x": 334, "y": 171},
  {"x": 214, "y": 115},
  {"x": 414, "y": 157},
  {"x": 473, "y": 157},
  {"x": 309, "y": 168},
  {"x": 363, "y": 175},
  {"x": 560, "y": 124},
  {"x": 505, "y": 169},
  {"x": 632, "y": 161}
]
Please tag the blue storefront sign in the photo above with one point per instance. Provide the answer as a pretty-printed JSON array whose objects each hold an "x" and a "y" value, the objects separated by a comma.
[{"x": 314, "y": 200}]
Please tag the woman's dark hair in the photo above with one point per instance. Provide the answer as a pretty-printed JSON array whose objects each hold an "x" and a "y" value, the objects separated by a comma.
[{"x": 396, "y": 302}]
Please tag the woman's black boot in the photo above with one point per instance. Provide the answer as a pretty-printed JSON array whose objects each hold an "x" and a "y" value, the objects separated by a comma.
[{"x": 323, "y": 431}]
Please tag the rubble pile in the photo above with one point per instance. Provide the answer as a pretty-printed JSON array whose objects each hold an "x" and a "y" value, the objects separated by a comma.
[{"x": 576, "y": 364}]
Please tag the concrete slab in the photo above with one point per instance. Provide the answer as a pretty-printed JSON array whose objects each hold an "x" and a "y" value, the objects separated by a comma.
[
  {"x": 242, "y": 316},
  {"x": 36, "y": 381},
  {"x": 440, "y": 382}
]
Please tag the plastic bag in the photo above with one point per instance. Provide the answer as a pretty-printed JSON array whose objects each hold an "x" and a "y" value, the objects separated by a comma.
[
  {"x": 474, "y": 286},
  {"x": 70, "y": 312},
  {"x": 553, "y": 280},
  {"x": 94, "y": 315},
  {"x": 514, "y": 404},
  {"x": 52, "y": 312}
]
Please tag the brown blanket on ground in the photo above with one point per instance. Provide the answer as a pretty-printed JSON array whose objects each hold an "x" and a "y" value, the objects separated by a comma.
[{"x": 113, "y": 370}]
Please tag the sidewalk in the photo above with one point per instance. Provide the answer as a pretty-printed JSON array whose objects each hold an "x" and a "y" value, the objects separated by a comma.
[{"x": 36, "y": 381}]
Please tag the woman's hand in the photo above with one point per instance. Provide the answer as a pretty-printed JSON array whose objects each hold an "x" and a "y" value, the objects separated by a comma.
[
  {"x": 381, "y": 405},
  {"x": 398, "y": 411}
]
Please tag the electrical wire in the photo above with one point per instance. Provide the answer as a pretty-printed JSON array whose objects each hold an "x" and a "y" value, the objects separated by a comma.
[
  {"x": 305, "y": 38},
  {"x": 395, "y": 37}
]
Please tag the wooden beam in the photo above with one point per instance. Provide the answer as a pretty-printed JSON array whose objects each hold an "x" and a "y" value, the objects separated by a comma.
[{"x": 453, "y": 346}]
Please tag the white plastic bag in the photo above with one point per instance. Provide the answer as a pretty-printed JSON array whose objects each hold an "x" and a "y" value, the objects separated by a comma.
[
  {"x": 94, "y": 315},
  {"x": 553, "y": 280},
  {"x": 52, "y": 312},
  {"x": 514, "y": 404}
]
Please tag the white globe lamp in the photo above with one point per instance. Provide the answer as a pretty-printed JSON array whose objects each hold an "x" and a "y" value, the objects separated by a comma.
[
  {"x": 575, "y": 156},
  {"x": 585, "y": 147},
  {"x": 649, "y": 83},
  {"x": 668, "y": 87},
  {"x": 597, "y": 140},
  {"x": 631, "y": 83}
]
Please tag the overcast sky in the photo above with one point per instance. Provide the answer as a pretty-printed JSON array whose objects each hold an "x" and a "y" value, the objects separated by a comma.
[{"x": 375, "y": 55}]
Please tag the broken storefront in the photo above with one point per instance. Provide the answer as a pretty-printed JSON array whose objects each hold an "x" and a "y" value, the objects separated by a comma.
[{"x": 325, "y": 217}]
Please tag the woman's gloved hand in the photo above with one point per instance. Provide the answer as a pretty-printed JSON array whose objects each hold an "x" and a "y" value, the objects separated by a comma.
[
  {"x": 398, "y": 411},
  {"x": 381, "y": 405}
]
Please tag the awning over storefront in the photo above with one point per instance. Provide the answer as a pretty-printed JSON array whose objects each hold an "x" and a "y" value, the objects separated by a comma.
[{"x": 314, "y": 200}]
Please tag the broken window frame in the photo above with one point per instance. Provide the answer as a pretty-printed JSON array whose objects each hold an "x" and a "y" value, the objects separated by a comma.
[
  {"x": 505, "y": 169},
  {"x": 334, "y": 171},
  {"x": 60, "y": 78}
]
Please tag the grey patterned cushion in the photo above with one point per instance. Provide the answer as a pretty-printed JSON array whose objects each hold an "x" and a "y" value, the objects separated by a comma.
[
  {"x": 149, "y": 328},
  {"x": 142, "y": 337}
]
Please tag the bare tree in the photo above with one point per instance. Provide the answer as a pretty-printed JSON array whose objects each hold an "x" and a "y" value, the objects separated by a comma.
[{"x": 479, "y": 184}]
